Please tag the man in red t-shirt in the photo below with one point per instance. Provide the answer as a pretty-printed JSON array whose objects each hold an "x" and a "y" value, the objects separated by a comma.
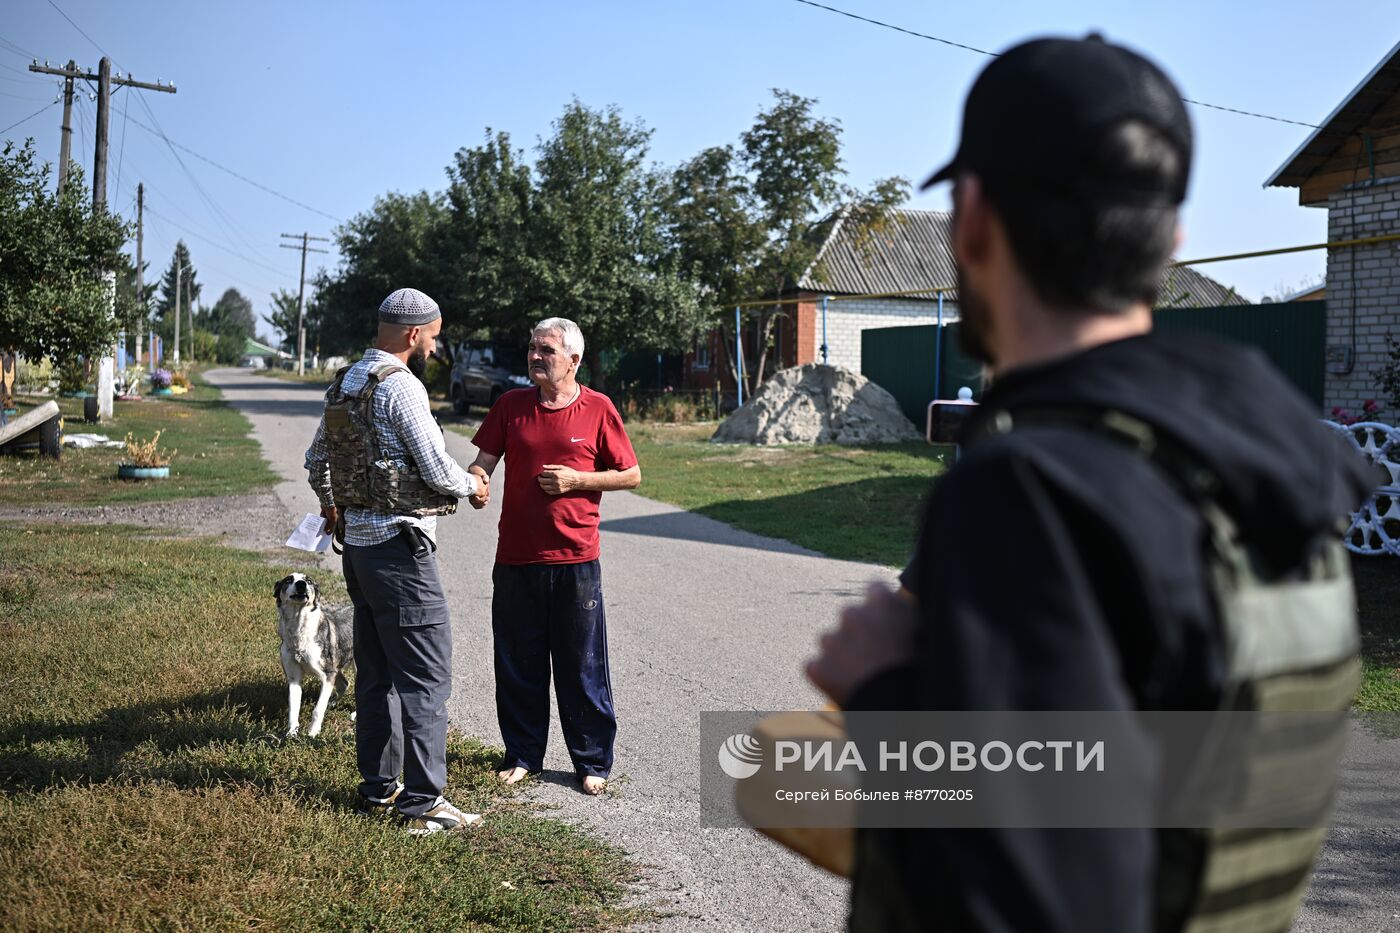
[{"x": 564, "y": 446}]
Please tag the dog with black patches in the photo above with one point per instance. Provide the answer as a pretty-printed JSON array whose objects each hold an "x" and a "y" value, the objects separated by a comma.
[{"x": 316, "y": 641}]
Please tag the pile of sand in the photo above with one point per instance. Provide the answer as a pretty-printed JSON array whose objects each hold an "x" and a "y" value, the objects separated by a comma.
[{"x": 817, "y": 404}]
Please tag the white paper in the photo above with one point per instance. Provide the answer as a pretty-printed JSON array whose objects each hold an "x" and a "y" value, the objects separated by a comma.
[{"x": 308, "y": 536}]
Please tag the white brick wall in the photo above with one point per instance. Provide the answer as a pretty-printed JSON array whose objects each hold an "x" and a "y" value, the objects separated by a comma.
[
  {"x": 1363, "y": 281},
  {"x": 846, "y": 319}
]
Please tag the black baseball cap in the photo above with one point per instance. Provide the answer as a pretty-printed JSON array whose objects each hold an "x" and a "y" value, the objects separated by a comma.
[{"x": 1035, "y": 111}]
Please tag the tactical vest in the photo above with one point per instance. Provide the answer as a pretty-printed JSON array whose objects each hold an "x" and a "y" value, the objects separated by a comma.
[
  {"x": 1291, "y": 644},
  {"x": 361, "y": 477}
]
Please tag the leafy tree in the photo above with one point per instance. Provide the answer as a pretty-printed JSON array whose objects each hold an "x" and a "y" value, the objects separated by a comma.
[
  {"x": 53, "y": 300},
  {"x": 751, "y": 222},
  {"x": 598, "y": 249},
  {"x": 486, "y": 249},
  {"x": 231, "y": 315},
  {"x": 396, "y": 243},
  {"x": 283, "y": 317},
  {"x": 190, "y": 290}
]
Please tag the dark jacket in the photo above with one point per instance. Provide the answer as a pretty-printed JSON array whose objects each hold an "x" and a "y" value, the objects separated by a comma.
[{"x": 1058, "y": 570}]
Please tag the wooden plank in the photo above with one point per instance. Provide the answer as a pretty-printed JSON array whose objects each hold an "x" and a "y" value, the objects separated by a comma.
[{"x": 29, "y": 421}]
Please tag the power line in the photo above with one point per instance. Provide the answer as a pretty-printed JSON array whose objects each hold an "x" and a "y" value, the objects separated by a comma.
[
  {"x": 243, "y": 178},
  {"x": 220, "y": 215},
  {"x": 214, "y": 243},
  {"x": 77, "y": 27},
  {"x": 907, "y": 32},
  {"x": 30, "y": 117},
  {"x": 970, "y": 48},
  {"x": 17, "y": 49},
  {"x": 121, "y": 154},
  {"x": 170, "y": 142}
]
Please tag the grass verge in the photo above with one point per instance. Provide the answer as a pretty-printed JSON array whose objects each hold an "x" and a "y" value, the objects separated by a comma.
[
  {"x": 143, "y": 783},
  {"x": 1378, "y": 602},
  {"x": 216, "y": 457},
  {"x": 857, "y": 503},
  {"x": 317, "y": 377}
]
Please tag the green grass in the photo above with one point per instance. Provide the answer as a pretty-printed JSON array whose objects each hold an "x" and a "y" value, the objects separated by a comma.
[
  {"x": 1378, "y": 602},
  {"x": 215, "y": 455},
  {"x": 143, "y": 783},
  {"x": 858, "y": 503},
  {"x": 310, "y": 377}
]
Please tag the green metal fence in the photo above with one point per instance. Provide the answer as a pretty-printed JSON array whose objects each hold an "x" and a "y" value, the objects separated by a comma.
[{"x": 1292, "y": 335}]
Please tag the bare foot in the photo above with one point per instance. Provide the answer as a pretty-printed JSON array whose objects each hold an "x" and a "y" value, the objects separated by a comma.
[
  {"x": 512, "y": 776},
  {"x": 594, "y": 785}
]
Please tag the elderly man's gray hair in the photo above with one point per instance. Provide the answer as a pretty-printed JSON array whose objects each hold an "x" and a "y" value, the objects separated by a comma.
[{"x": 569, "y": 334}]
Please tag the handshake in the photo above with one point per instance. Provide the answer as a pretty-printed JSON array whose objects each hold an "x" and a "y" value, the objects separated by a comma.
[{"x": 483, "y": 487}]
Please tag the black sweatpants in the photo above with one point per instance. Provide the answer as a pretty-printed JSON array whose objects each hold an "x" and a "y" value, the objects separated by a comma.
[{"x": 553, "y": 612}]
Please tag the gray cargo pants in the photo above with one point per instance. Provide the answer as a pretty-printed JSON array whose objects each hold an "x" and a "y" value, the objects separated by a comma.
[{"x": 403, "y": 669}]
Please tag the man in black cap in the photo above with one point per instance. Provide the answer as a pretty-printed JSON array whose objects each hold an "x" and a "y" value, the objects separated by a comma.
[{"x": 1057, "y": 568}]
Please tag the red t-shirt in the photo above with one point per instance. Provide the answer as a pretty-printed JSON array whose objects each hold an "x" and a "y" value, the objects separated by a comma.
[{"x": 586, "y": 435}]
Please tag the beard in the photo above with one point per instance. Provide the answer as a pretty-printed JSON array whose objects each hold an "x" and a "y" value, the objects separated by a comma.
[
  {"x": 418, "y": 362},
  {"x": 974, "y": 322}
]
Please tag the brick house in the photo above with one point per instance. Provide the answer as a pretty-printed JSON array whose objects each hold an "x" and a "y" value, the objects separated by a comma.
[
  {"x": 862, "y": 283},
  {"x": 1351, "y": 166}
]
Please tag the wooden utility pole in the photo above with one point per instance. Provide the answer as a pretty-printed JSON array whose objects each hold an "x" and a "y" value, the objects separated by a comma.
[
  {"x": 105, "y": 81},
  {"x": 301, "y": 290},
  {"x": 140, "y": 278},
  {"x": 104, "y": 121},
  {"x": 65, "y": 145}
]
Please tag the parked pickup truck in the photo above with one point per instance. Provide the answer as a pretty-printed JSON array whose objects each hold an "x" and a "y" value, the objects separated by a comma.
[{"x": 483, "y": 372}]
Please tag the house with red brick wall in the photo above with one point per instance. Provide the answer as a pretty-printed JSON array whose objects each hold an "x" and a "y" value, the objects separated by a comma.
[{"x": 885, "y": 280}]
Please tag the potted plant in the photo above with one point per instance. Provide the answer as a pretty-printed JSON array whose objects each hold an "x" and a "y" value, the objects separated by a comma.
[
  {"x": 160, "y": 381},
  {"x": 179, "y": 383},
  {"x": 145, "y": 459}
]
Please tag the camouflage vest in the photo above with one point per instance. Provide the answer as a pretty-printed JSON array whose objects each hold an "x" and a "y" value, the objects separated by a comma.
[
  {"x": 1291, "y": 644},
  {"x": 361, "y": 477}
]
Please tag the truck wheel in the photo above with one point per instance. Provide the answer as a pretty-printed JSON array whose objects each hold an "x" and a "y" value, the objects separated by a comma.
[{"x": 459, "y": 399}]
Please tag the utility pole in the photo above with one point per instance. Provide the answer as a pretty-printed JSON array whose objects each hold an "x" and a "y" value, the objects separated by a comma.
[
  {"x": 65, "y": 145},
  {"x": 105, "y": 374},
  {"x": 301, "y": 290},
  {"x": 69, "y": 73},
  {"x": 179, "y": 271},
  {"x": 140, "y": 279},
  {"x": 189, "y": 310}
]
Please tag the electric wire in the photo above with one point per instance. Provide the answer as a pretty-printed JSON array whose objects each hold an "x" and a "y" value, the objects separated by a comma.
[
  {"x": 30, "y": 117},
  {"x": 971, "y": 48}
]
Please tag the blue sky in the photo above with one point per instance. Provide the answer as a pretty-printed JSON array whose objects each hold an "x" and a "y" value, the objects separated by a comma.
[{"x": 334, "y": 103}]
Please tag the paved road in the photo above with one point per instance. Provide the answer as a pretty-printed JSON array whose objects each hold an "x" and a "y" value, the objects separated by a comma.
[
  {"x": 700, "y": 617},
  {"x": 705, "y": 617}
]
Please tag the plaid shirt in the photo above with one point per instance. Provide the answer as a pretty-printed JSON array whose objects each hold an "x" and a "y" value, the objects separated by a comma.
[{"x": 406, "y": 431}]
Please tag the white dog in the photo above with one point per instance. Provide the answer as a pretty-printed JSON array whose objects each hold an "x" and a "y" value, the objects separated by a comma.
[{"x": 314, "y": 641}]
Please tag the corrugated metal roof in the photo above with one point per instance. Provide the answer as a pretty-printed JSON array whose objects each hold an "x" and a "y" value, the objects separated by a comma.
[
  {"x": 1375, "y": 89},
  {"x": 916, "y": 253}
]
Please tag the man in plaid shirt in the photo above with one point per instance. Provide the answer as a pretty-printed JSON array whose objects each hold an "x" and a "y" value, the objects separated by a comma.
[{"x": 403, "y": 634}]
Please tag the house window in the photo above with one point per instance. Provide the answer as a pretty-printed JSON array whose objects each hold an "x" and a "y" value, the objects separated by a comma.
[{"x": 702, "y": 355}]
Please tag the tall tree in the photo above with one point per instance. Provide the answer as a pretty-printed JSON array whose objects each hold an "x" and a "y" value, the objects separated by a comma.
[
  {"x": 53, "y": 301},
  {"x": 283, "y": 317},
  {"x": 190, "y": 290},
  {"x": 597, "y": 239},
  {"x": 232, "y": 315},
  {"x": 751, "y": 223},
  {"x": 132, "y": 308},
  {"x": 396, "y": 243},
  {"x": 486, "y": 248}
]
